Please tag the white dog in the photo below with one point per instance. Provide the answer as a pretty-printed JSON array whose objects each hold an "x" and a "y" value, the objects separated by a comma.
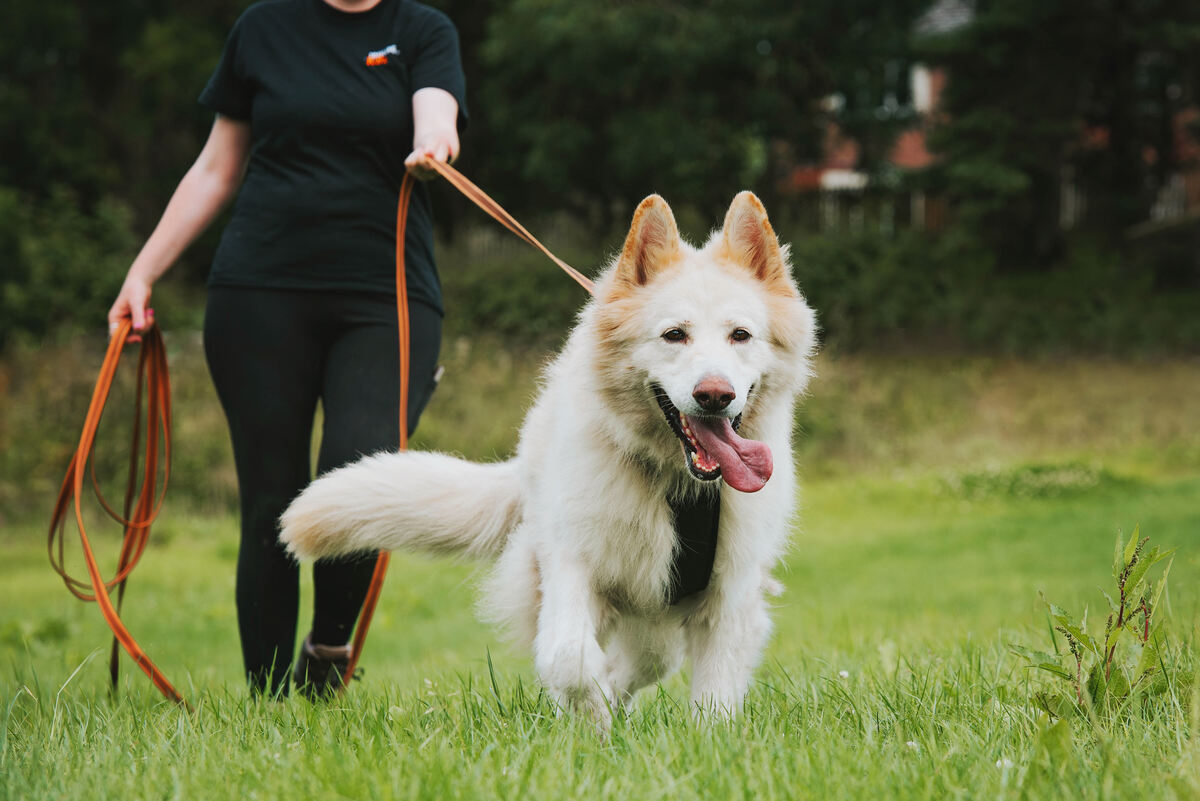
[{"x": 618, "y": 549}]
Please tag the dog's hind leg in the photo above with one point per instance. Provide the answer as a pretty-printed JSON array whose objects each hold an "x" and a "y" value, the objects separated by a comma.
[{"x": 567, "y": 653}]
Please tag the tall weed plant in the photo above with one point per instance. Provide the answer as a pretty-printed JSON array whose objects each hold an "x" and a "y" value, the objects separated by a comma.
[{"x": 1127, "y": 663}]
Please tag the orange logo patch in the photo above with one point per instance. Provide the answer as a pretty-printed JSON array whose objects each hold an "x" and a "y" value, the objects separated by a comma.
[{"x": 378, "y": 58}]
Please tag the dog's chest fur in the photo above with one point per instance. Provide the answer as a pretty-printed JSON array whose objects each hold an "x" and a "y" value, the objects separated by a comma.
[{"x": 635, "y": 563}]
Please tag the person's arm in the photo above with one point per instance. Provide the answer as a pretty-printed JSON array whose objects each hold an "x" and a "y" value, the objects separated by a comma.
[
  {"x": 203, "y": 192},
  {"x": 435, "y": 130}
]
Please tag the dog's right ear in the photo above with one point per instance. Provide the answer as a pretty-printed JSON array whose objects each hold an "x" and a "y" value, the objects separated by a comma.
[{"x": 653, "y": 243}]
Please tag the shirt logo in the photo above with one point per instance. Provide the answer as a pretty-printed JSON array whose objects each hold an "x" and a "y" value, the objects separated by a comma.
[{"x": 377, "y": 58}]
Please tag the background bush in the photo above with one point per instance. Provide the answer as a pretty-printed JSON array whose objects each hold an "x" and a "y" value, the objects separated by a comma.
[{"x": 63, "y": 262}]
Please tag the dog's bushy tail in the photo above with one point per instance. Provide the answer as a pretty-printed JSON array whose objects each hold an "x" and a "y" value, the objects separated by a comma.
[{"x": 416, "y": 501}]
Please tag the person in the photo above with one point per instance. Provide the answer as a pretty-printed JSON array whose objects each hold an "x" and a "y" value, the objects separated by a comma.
[{"x": 321, "y": 106}]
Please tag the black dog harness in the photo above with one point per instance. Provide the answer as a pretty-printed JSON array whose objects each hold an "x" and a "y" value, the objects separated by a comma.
[{"x": 696, "y": 521}]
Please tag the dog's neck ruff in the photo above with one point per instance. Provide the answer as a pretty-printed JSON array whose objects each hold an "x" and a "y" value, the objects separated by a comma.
[{"x": 696, "y": 520}]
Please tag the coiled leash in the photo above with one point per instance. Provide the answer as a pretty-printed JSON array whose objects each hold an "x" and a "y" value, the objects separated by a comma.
[
  {"x": 143, "y": 497},
  {"x": 143, "y": 500}
]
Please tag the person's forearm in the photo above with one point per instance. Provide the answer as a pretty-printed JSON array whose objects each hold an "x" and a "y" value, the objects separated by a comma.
[
  {"x": 199, "y": 198},
  {"x": 205, "y": 189}
]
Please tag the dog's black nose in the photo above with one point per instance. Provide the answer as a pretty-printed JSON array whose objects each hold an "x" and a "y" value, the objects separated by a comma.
[{"x": 713, "y": 393}]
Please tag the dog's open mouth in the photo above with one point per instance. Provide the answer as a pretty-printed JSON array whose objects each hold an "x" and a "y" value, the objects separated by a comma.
[{"x": 712, "y": 448}]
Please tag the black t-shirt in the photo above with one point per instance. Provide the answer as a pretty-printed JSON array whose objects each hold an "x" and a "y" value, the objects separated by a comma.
[{"x": 328, "y": 95}]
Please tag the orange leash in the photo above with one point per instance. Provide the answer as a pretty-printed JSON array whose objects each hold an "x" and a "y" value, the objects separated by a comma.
[
  {"x": 143, "y": 498},
  {"x": 483, "y": 201},
  {"x": 381, "y": 563},
  {"x": 497, "y": 212}
]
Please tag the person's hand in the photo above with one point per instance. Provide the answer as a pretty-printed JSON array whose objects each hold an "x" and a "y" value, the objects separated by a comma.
[
  {"x": 435, "y": 131},
  {"x": 131, "y": 302},
  {"x": 437, "y": 147}
]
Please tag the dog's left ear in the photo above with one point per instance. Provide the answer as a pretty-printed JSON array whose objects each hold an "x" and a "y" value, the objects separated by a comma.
[{"x": 748, "y": 239}]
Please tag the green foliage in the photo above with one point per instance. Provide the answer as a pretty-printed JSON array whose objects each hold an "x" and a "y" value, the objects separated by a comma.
[
  {"x": 99, "y": 97},
  {"x": 98, "y": 121},
  {"x": 1129, "y": 663},
  {"x": 871, "y": 291},
  {"x": 44, "y": 394},
  {"x": 1040, "y": 86},
  {"x": 593, "y": 104},
  {"x": 1034, "y": 481},
  {"x": 584, "y": 108},
  {"x": 65, "y": 264},
  {"x": 513, "y": 293}
]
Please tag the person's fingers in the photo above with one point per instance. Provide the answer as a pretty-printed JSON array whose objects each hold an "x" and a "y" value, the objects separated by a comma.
[
  {"x": 417, "y": 163},
  {"x": 147, "y": 322},
  {"x": 114, "y": 316},
  {"x": 131, "y": 304}
]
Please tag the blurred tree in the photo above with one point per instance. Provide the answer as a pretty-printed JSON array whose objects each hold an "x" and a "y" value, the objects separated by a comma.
[
  {"x": 588, "y": 106},
  {"x": 866, "y": 57},
  {"x": 98, "y": 121},
  {"x": 594, "y": 104},
  {"x": 1037, "y": 86},
  {"x": 102, "y": 97}
]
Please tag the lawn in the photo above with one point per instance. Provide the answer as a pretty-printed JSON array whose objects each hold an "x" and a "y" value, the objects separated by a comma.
[{"x": 938, "y": 498}]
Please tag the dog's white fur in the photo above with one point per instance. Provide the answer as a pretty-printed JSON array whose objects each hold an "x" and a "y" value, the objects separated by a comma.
[{"x": 578, "y": 520}]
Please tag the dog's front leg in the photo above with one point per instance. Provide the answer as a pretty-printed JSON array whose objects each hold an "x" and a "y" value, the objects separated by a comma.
[
  {"x": 725, "y": 648},
  {"x": 567, "y": 654}
]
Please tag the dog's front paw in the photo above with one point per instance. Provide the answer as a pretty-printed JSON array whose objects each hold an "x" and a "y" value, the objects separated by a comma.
[
  {"x": 713, "y": 709},
  {"x": 572, "y": 674}
]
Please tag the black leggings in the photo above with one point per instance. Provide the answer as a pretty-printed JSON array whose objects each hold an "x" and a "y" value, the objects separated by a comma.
[{"x": 272, "y": 354}]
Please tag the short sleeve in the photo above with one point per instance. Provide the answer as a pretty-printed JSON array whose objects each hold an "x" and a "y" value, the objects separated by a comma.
[
  {"x": 438, "y": 64},
  {"x": 229, "y": 92}
]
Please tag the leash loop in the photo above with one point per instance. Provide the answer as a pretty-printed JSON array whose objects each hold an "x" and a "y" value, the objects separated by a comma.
[{"x": 143, "y": 498}]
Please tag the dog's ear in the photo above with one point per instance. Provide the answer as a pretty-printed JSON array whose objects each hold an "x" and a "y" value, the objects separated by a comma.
[
  {"x": 652, "y": 245},
  {"x": 748, "y": 239}
]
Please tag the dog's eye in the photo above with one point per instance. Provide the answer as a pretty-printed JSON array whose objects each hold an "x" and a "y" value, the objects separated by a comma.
[
  {"x": 739, "y": 335},
  {"x": 674, "y": 335}
]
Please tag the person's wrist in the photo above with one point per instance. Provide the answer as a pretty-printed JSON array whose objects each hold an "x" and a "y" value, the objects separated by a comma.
[{"x": 138, "y": 275}]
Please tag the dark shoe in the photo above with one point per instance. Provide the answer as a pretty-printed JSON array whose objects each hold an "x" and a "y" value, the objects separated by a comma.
[{"x": 321, "y": 669}]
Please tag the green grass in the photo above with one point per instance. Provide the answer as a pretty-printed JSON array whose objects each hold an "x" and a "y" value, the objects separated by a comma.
[
  {"x": 913, "y": 588},
  {"x": 938, "y": 497}
]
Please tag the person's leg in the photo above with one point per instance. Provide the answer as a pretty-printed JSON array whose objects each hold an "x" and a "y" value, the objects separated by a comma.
[
  {"x": 264, "y": 352},
  {"x": 360, "y": 400}
]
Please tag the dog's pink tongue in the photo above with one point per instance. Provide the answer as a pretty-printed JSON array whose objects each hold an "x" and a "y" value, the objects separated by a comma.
[{"x": 745, "y": 464}]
